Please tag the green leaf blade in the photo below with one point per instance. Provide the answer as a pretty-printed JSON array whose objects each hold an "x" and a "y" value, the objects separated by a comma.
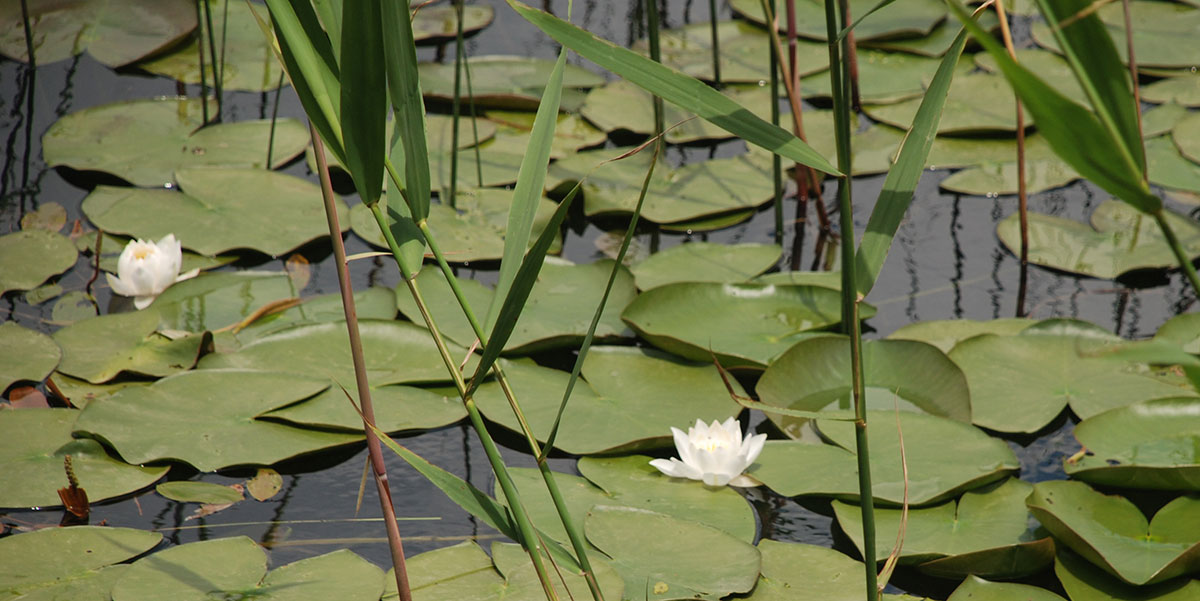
[{"x": 363, "y": 96}]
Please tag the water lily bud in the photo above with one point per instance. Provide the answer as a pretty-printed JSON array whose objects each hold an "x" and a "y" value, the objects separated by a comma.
[
  {"x": 146, "y": 268},
  {"x": 715, "y": 454}
]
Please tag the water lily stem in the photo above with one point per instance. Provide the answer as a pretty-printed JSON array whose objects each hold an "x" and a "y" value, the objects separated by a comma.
[{"x": 374, "y": 451}]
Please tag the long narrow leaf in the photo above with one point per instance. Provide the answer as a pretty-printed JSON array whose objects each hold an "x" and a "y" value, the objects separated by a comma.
[
  {"x": 364, "y": 96},
  {"x": 310, "y": 64},
  {"x": 904, "y": 175},
  {"x": 531, "y": 181},
  {"x": 688, "y": 93},
  {"x": 404, "y": 86},
  {"x": 330, "y": 12},
  {"x": 1074, "y": 132}
]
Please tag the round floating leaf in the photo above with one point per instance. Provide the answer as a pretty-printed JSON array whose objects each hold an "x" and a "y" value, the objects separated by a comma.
[
  {"x": 815, "y": 374},
  {"x": 219, "y": 210},
  {"x": 1112, "y": 533},
  {"x": 801, "y": 468},
  {"x": 1086, "y": 582},
  {"x": 233, "y": 568},
  {"x": 145, "y": 141},
  {"x": 885, "y": 77},
  {"x": 50, "y": 216},
  {"x": 945, "y": 334},
  {"x": 36, "y": 443},
  {"x": 1120, "y": 240},
  {"x": 664, "y": 557},
  {"x": 99, "y": 348},
  {"x": 705, "y": 262},
  {"x": 1153, "y": 444},
  {"x": 1050, "y": 67},
  {"x": 219, "y": 408},
  {"x": 114, "y": 33},
  {"x": 704, "y": 224},
  {"x": 1183, "y": 330},
  {"x": 266, "y": 484},
  {"x": 30, "y": 257},
  {"x": 1162, "y": 119},
  {"x": 702, "y": 189},
  {"x": 824, "y": 279},
  {"x": 975, "y": 588},
  {"x": 81, "y": 392},
  {"x": 744, "y": 324},
  {"x": 248, "y": 61},
  {"x": 397, "y": 409},
  {"x": 623, "y": 106},
  {"x": 506, "y": 81},
  {"x": 1183, "y": 90},
  {"x": 31, "y": 355},
  {"x": 942, "y": 36},
  {"x": 629, "y": 399},
  {"x": 798, "y": 571},
  {"x": 570, "y": 134},
  {"x": 631, "y": 481},
  {"x": 1021, "y": 383},
  {"x": 744, "y": 52},
  {"x": 218, "y": 300},
  {"x": 1168, "y": 167},
  {"x": 1186, "y": 135},
  {"x": 873, "y": 146},
  {"x": 373, "y": 303},
  {"x": 976, "y": 103},
  {"x": 1163, "y": 33},
  {"x": 1003, "y": 178},
  {"x": 951, "y": 152},
  {"x": 913, "y": 18},
  {"x": 52, "y": 560},
  {"x": 440, "y": 23},
  {"x": 985, "y": 533},
  {"x": 186, "y": 491}
]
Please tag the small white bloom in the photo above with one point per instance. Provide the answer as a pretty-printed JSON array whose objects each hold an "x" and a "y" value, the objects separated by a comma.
[
  {"x": 715, "y": 454},
  {"x": 145, "y": 269}
]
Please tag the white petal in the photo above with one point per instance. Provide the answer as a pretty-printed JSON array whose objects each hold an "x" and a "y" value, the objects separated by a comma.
[
  {"x": 744, "y": 480},
  {"x": 188, "y": 275},
  {"x": 140, "y": 280},
  {"x": 716, "y": 479},
  {"x": 683, "y": 446},
  {"x": 119, "y": 286},
  {"x": 675, "y": 468},
  {"x": 752, "y": 448},
  {"x": 142, "y": 302}
]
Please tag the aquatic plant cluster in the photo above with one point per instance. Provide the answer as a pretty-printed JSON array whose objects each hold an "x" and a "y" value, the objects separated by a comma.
[{"x": 907, "y": 443}]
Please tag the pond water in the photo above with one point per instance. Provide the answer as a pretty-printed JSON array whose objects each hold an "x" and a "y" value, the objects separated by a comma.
[{"x": 946, "y": 263}]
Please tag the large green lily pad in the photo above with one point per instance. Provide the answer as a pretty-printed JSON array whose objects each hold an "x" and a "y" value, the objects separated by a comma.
[
  {"x": 1182, "y": 89},
  {"x": 697, "y": 190},
  {"x": 939, "y": 40},
  {"x": 1112, "y": 533},
  {"x": 506, "y": 81},
  {"x": 744, "y": 53},
  {"x": 945, "y": 334},
  {"x": 998, "y": 179},
  {"x": 1186, "y": 135},
  {"x": 114, "y": 33},
  {"x": 557, "y": 314},
  {"x": 1119, "y": 240},
  {"x": 662, "y": 557},
  {"x": 986, "y": 533},
  {"x": 32, "y": 355},
  {"x": 55, "y": 563},
  {"x": 796, "y": 468},
  {"x": 236, "y": 568},
  {"x": 884, "y": 77},
  {"x": 622, "y": 106},
  {"x": 976, "y": 103},
  {"x": 630, "y": 481},
  {"x": 219, "y": 408},
  {"x": 1086, "y": 582},
  {"x": 570, "y": 134},
  {"x": 1152, "y": 444},
  {"x": 373, "y": 303},
  {"x": 815, "y": 374},
  {"x": 81, "y": 392},
  {"x": 1163, "y": 33},
  {"x": 743, "y": 324},
  {"x": 705, "y": 262},
  {"x": 1182, "y": 330},
  {"x": 824, "y": 279},
  {"x": 248, "y": 61},
  {"x": 100, "y": 348},
  {"x": 30, "y": 257},
  {"x": 219, "y": 210},
  {"x": 914, "y": 18},
  {"x": 433, "y": 24},
  {"x": 36, "y": 444},
  {"x": 1050, "y": 67},
  {"x": 1020, "y": 383},
  {"x": 218, "y": 300},
  {"x": 792, "y": 571},
  {"x": 1162, "y": 119},
  {"x": 145, "y": 141},
  {"x": 975, "y": 588},
  {"x": 1167, "y": 165},
  {"x": 628, "y": 399}
]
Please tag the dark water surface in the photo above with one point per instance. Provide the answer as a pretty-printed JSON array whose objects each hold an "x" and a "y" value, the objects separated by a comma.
[{"x": 946, "y": 263}]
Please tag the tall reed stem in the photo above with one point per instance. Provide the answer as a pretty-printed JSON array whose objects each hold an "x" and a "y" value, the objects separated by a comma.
[
  {"x": 716, "y": 43},
  {"x": 374, "y": 451},
  {"x": 458, "y": 67},
  {"x": 1022, "y": 194},
  {"x": 656, "y": 56},
  {"x": 776, "y": 160}
]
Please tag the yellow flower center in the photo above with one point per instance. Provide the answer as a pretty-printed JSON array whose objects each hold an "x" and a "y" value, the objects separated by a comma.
[
  {"x": 141, "y": 252},
  {"x": 712, "y": 444}
]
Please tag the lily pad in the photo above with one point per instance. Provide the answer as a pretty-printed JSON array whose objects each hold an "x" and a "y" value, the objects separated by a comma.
[
  {"x": 884, "y": 77},
  {"x": 955, "y": 152},
  {"x": 114, "y": 33},
  {"x": 1162, "y": 33},
  {"x": 976, "y": 103},
  {"x": 746, "y": 325},
  {"x": 219, "y": 300},
  {"x": 939, "y": 40},
  {"x": 219, "y": 407},
  {"x": 506, "y": 81},
  {"x": 1186, "y": 135},
  {"x": 81, "y": 392},
  {"x": 1020, "y": 383},
  {"x": 628, "y": 399},
  {"x": 975, "y": 588},
  {"x": 30, "y": 257},
  {"x": 219, "y": 210},
  {"x": 705, "y": 262},
  {"x": 1112, "y": 533},
  {"x": 815, "y": 374},
  {"x": 1183, "y": 90},
  {"x": 57, "y": 561},
  {"x": 229, "y": 568},
  {"x": 1120, "y": 240},
  {"x": 915, "y": 18},
  {"x": 797, "y": 468},
  {"x": 1167, "y": 165},
  {"x": 1003, "y": 178},
  {"x": 799, "y": 571},
  {"x": 824, "y": 279},
  {"x": 630, "y": 481},
  {"x": 1153, "y": 444},
  {"x": 661, "y": 557},
  {"x": 100, "y": 348},
  {"x": 623, "y": 106},
  {"x": 373, "y": 303},
  {"x": 186, "y": 491},
  {"x": 744, "y": 52},
  {"x": 1050, "y": 67},
  {"x": 433, "y": 24},
  {"x": 697, "y": 190},
  {"x": 1086, "y": 582},
  {"x": 557, "y": 314},
  {"x": 145, "y": 141},
  {"x": 570, "y": 134},
  {"x": 36, "y": 444},
  {"x": 1183, "y": 330},
  {"x": 986, "y": 533},
  {"x": 873, "y": 145},
  {"x": 249, "y": 62},
  {"x": 1162, "y": 119},
  {"x": 945, "y": 334},
  {"x": 32, "y": 355}
]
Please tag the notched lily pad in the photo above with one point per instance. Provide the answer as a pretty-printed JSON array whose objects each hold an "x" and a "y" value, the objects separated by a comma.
[
  {"x": 30, "y": 257},
  {"x": 434, "y": 24},
  {"x": 801, "y": 571},
  {"x": 1162, "y": 33},
  {"x": 59, "y": 563},
  {"x": 705, "y": 262},
  {"x": 114, "y": 33},
  {"x": 744, "y": 52},
  {"x": 914, "y": 18},
  {"x": 1153, "y": 444},
  {"x": 1086, "y": 582},
  {"x": 186, "y": 491},
  {"x": 32, "y": 355},
  {"x": 100, "y": 348},
  {"x": 975, "y": 588},
  {"x": 976, "y": 103},
  {"x": 1186, "y": 135},
  {"x": 506, "y": 81},
  {"x": 623, "y": 106},
  {"x": 1183, "y": 90},
  {"x": 945, "y": 334}
]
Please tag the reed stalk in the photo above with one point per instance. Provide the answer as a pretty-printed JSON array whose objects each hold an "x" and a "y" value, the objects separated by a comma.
[
  {"x": 1022, "y": 194},
  {"x": 203, "y": 75},
  {"x": 656, "y": 56},
  {"x": 458, "y": 67},
  {"x": 716, "y": 43},
  {"x": 776, "y": 160},
  {"x": 212, "y": 52}
]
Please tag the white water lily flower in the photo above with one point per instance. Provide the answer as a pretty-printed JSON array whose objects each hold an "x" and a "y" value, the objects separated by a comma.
[
  {"x": 715, "y": 454},
  {"x": 145, "y": 269}
]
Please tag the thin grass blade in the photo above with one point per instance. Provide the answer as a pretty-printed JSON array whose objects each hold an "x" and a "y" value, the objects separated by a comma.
[
  {"x": 363, "y": 96},
  {"x": 408, "y": 107}
]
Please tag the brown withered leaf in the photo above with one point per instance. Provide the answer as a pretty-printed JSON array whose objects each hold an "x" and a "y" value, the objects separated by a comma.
[{"x": 265, "y": 484}]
